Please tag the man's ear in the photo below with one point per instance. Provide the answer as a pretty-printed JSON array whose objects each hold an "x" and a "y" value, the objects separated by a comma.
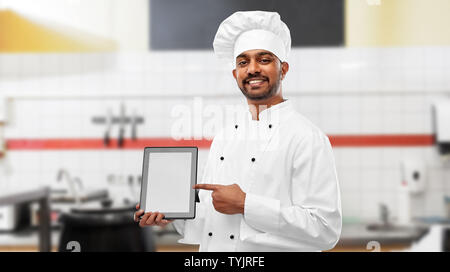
[
  {"x": 234, "y": 73},
  {"x": 284, "y": 69}
]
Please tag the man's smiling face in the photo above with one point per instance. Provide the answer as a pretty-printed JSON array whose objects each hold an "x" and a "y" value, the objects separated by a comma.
[{"x": 259, "y": 73}]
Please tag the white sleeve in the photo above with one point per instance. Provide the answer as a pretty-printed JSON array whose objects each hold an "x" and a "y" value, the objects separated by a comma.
[
  {"x": 315, "y": 217},
  {"x": 178, "y": 224},
  {"x": 191, "y": 229}
]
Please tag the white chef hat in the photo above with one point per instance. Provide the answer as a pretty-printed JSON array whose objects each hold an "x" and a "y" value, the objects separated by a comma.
[{"x": 247, "y": 30}]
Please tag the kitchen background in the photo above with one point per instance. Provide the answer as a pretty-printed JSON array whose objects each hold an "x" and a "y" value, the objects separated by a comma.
[{"x": 83, "y": 90}]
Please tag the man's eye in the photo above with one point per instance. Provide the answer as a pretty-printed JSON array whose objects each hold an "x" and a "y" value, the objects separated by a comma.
[
  {"x": 242, "y": 62},
  {"x": 265, "y": 60}
]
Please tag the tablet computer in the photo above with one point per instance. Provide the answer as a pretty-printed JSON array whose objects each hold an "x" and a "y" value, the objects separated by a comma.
[{"x": 168, "y": 175}]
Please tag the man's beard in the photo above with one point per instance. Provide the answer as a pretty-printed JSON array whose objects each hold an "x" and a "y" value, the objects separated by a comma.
[{"x": 272, "y": 91}]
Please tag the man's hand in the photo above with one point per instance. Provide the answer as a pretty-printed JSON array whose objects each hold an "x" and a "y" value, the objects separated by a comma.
[
  {"x": 150, "y": 218},
  {"x": 227, "y": 199}
]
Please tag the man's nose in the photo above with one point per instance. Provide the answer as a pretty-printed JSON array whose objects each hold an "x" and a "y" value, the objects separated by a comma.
[{"x": 253, "y": 68}]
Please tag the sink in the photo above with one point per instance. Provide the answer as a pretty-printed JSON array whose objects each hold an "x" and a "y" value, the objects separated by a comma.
[
  {"x": 390, "y": 228},
  {"x": 359, "y": 234},
  {"x": 61, "y": 196}
]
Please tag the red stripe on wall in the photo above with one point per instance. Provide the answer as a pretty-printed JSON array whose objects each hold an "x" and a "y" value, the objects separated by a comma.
[
  {"x": 336, "y": 141},
  {"x": 381, "y": 140},
  {"x": 49, "y": 144}
]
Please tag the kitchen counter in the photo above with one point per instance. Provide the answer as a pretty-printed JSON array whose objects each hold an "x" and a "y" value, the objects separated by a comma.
[
  {"x": 25, "y": 240},
  {"x": 13, "y": 196},
  {"x": 354, "y": 237},
  {"x": 359, "y": 235},
  {"x": 28, "y": 240}
]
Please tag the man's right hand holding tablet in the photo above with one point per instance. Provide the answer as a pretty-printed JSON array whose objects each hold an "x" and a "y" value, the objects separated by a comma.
[{"x": 150, "y": 218}]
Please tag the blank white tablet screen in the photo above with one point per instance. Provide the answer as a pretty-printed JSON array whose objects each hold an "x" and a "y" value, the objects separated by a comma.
[{"x": 169, "y": 182}]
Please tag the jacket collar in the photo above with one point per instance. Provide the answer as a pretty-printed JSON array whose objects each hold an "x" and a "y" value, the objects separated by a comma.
[{"x": 274, "y": 114}]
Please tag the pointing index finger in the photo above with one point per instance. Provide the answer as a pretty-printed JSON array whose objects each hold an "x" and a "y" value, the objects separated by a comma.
[{"x": 210, "y": 187}]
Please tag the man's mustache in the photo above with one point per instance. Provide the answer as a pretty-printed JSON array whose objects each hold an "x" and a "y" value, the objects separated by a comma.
[{"x": 252, "y": 77}]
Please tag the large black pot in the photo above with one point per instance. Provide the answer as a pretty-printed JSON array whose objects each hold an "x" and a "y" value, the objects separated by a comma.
[{"x": 106, "y": 229}]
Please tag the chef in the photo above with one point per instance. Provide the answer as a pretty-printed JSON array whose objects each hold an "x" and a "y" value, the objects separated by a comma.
[{"x": 270, "y": 181}]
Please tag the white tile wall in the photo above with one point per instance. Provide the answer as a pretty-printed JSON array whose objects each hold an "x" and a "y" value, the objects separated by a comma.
[{"x": 343, "y": 91}]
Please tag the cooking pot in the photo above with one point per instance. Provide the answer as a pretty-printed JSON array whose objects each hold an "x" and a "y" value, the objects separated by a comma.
[{"x": 104, "y": 229}]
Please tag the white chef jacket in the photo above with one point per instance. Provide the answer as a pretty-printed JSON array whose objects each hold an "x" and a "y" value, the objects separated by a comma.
[{"x": 285, "y": 165}]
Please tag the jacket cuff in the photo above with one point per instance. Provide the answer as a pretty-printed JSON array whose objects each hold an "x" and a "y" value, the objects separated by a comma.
[
  {"x": 179, "y": 226},
  {"x": 262, "y": 213}
]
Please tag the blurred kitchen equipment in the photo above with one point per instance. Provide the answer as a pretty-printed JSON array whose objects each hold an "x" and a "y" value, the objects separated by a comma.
[
  {"x": 105, "y": 229},
  {"x": 78, "y": 181},
  {"x": 414, "y": 175},
  {"x": 70, "y": 183},
  {"x": 120, "y": 139},
  {"x": 447, "y": 205},
  {"x": 134, "y": 126},
  {"x": 133, "y": 187},
  {"x": 111, "y": 179},
  {"x": 122, "y": 120},
  {"x": 413, "y": 184},
  {"x": 436, "y": 240},
  {"x": 384, "y": 214},
  {"x": 117, "y": 184},
  {"x": 385, "y": 224},
  {"x": 8, "y": 217},
  {"x": 74, "y": 195},
  {"x": 404, "y": 206},
  {"x": 441, "y": 122},
  {"x": 16, "y": 196},
  {"x": 107, "y": 138},
  {"x": 64, "y": 196},
  {"x": 14, "y": 217}
]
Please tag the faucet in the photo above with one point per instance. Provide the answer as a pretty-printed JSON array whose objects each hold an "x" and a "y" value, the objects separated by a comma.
[
  {"x": 79, "y": 182},
  {"x": 384, "y": 214},
  {"x": 71, "y": 183}
]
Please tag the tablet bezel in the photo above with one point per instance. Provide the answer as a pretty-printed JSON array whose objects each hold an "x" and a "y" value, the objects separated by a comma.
[{"x": 144, "y": 184}]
